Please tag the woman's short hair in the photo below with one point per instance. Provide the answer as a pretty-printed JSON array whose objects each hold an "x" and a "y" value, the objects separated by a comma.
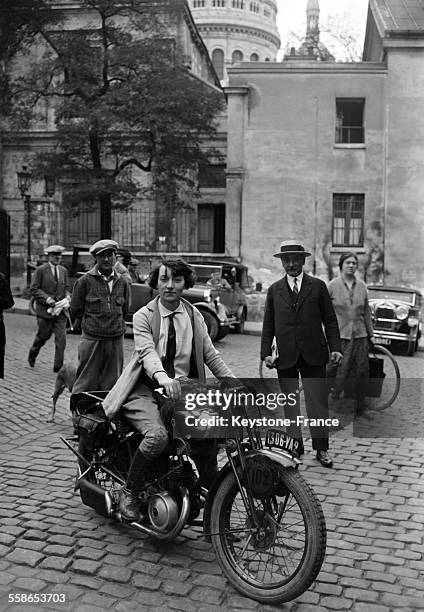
[
  {"x": 178, "y": 267},
  {"x": 345, "y": 256}
]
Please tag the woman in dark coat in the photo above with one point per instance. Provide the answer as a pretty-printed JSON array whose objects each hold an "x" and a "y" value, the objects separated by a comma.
[{"x": 6, "y": 301}]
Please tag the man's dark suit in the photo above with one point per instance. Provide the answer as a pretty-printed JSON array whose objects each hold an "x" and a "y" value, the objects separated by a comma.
[
  {"x": 302, "y": 346},
  {"x": 43, "y": 286}
]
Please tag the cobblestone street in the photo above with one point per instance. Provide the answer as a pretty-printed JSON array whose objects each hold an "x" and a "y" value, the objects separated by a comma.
[{"x": 373, "y": 501}]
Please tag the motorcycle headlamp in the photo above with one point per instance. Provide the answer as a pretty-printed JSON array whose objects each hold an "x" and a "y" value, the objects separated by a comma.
[{"x": 401, "y": 312}]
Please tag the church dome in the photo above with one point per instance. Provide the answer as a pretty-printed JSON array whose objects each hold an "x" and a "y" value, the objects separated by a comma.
[{"x": 237, "y": 30}]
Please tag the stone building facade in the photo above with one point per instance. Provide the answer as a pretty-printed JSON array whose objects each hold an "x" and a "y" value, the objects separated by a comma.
[
  {"x": 52, "y": 221},
  {"x": 333, "y": 153},
  {"x": 237, "y": 30}
]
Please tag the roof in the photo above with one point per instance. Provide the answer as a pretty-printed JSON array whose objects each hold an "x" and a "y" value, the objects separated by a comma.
[{"x": 400, "y": 15}]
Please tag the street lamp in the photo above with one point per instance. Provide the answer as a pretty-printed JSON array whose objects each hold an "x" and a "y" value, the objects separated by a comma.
[{"x": 24, "y": 183}]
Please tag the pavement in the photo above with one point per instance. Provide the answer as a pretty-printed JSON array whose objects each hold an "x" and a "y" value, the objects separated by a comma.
[{"x": 51, "y": 544}]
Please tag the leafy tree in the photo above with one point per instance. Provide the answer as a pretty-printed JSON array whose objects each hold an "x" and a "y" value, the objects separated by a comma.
[
  {"x": 20, "y": 21},
  {"x": 123, "y": 100}
]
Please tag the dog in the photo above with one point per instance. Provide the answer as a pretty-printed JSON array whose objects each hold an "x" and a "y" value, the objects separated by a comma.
[{"x": 65, "y": 379}]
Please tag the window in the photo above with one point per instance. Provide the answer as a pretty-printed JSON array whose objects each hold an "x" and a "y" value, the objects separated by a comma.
[
  {"x": 350, "y": 120},
  {"x": 254, "y": 7},
  {"x": 236, "y": 57},
  {"x": 218, "y": 3},
  {"x": 211, "y": 228},
  {"x": 212, "y": 176},
  {"x": 254, "y": 57},
  {"x": 218, "y": 62},
  {"x": 238, "y": 4},
  {"x": 267, "y": 13},
  {"x": 348, "y": 219},
  {"x": 198, "y": 3}
]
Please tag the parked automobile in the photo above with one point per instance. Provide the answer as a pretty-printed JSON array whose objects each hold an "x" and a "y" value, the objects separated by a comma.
[
  {"x": 396, "y": 314},
  {"x": 230, "y": 279},
  {"x": 205, "y": 297}
]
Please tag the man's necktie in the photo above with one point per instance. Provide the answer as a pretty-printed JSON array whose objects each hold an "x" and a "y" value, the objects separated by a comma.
[
  {"x": 171, "y": 348},
  {"x": 295, "y": 290},
  {"x": 56, "y": 276}
]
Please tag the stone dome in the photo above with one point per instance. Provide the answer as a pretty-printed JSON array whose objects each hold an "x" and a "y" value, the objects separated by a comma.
[{"x": 237, "y": 30}]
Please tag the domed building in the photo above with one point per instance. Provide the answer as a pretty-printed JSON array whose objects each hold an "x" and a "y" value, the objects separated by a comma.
[{"x": 237, "y": 30}]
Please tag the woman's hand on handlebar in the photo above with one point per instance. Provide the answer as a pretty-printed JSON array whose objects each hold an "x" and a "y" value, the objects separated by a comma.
[{"x": 171, "y": 386}]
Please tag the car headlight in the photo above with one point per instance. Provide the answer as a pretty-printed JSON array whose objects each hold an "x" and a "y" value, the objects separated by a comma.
[
  {"x": 413, "y": 321},
  {"x": 401, "y": 312}
]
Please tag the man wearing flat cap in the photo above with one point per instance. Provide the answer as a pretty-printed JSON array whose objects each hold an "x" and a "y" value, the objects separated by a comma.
[
  {"x": 50, "y": 284},
  {"x": 100, "y": 301},
  {"x": 301, "y": 317}
]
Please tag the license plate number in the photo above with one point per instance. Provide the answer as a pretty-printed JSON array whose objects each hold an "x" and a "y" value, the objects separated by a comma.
[
  {"x": 385, "y": 341},
  {"x": 280, "y": 439}
]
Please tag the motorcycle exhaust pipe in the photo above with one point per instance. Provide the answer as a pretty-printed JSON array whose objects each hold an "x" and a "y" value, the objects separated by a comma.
[{"x": 179, "y": 526}]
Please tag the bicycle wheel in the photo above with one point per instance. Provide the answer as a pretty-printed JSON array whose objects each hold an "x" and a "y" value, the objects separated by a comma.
[
  {"x": 278, "y": 561},
  {"x": 390, "y": 384}
]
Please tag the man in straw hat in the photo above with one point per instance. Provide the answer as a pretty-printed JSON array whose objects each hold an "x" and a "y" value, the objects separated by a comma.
[
  {"x": 100, "y": 301},
  {"x": 50, "y": 285},
  {"x": 298, "y": 311}
]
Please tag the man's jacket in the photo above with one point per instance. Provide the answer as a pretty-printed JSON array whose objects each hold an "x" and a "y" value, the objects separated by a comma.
[
  {"x": 299, "y": 331},
  {"x": 44, "y": 285},
  {"x": 101, "y": 312},
  {"x": 146, "y": 326}
]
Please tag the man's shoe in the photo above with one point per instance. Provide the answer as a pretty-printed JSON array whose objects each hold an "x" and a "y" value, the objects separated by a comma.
[
  {"x": 31, "y": 360},
  {"x": 56, "y": 369},
  {"x": 128, "y": 506},
  {"x": 364, "y": 412},
  {"x": 324, "y": 458}
]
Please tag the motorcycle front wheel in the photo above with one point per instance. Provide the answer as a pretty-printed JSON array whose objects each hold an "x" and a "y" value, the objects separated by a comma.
[{"x": 275, "y": 557}]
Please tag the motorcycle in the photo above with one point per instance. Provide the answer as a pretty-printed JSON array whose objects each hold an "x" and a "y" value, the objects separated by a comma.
[{"x": 264, "y": 521}]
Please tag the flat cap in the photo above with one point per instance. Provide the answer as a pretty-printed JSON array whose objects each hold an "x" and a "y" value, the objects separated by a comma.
[
  {"x": 54, "y": 248},
  {"x": 103, "y": 245}
]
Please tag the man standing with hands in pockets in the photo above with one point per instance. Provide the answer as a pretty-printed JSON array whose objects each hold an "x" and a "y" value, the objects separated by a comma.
[{"x": 298, "y": 311}]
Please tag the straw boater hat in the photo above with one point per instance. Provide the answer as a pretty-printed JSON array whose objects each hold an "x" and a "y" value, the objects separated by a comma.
[
  {"x": 291, "y": 247},
  {"x": 103, "y": 245}
]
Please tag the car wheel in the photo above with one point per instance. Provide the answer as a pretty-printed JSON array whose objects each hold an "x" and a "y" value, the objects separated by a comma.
[
  {"x": 223, "y": 331},
  {"x": 31, "y": 307},
  {"x": 211, "y": 324}
]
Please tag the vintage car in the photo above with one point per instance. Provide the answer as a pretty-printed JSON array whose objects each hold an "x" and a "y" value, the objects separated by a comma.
[
  {"x": 205, "y": 297},
  {"x": 230, "y": 279},
  {"x": 396, "y": 315}
]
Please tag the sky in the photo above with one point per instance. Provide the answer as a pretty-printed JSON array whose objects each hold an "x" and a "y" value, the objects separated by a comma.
[{"x": 351, "y": 14}]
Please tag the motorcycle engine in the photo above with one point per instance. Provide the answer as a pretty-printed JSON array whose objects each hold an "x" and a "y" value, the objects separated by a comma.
[{"x": 163, "y": 511}]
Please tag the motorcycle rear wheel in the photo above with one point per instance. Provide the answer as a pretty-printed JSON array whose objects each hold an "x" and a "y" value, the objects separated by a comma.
[{"x": 280, "y": 563}]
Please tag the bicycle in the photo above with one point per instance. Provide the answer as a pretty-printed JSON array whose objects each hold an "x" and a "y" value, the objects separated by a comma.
[{"x": 387, "y": 391}]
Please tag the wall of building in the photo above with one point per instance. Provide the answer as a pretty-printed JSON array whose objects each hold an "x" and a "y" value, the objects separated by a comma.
[
  {"x": 283, "y": 135},
  {"x": 405, "y": 166}
]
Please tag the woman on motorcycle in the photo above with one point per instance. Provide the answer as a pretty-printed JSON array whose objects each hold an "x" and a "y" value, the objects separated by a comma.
[{"x": 171, "y": 341}]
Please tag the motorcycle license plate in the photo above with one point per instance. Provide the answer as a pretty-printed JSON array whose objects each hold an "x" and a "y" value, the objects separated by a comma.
[
  {"x": 385, "y": 341},
  {"x": 280, "y": 439}
]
